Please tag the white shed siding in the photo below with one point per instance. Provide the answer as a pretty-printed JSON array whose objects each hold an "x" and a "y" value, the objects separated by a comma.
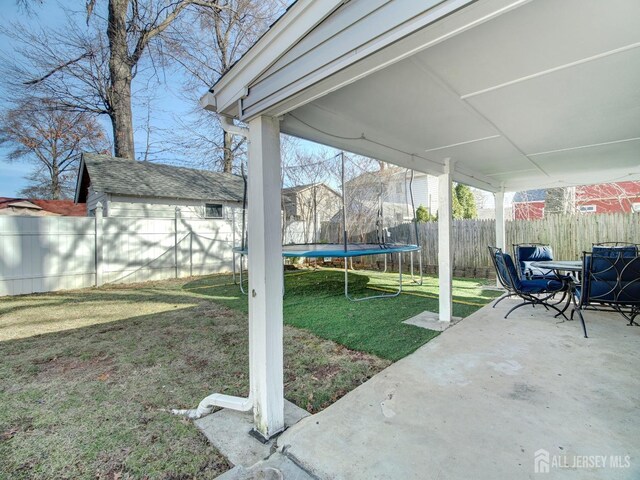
[
  {"x": 137, "y": 207},
  {"x": 93, "y": 198}
]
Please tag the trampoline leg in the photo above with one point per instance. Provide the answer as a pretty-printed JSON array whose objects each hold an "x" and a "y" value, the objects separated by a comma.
[
  {"x": 370, "y": 297},
  {"x": 241, "y": 279},
  {"x": 419, "y": 283},
  {"x": 233, "y": 266}
]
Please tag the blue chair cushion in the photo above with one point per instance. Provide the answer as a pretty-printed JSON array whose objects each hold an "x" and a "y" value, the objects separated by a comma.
[
  {"x": 540, "y": 285},
  {"x": 625, "y": 251},
  {"x": 534, "y": 253},
  {"x": 612, "y": 279}
]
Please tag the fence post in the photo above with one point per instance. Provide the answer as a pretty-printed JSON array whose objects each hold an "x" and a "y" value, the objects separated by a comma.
[
  {"x": 99, "y": 259},
  {"x": 175, "y": 240}
]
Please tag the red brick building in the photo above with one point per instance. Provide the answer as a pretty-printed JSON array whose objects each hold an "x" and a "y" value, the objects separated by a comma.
[{"x": 601, "y": 198}]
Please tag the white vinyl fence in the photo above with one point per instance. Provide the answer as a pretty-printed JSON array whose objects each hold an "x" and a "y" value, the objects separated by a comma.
[{"x": 42, "y": 254}]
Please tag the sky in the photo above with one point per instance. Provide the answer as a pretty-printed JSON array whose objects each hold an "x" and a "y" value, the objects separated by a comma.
[{"x": 168, "y": 102}]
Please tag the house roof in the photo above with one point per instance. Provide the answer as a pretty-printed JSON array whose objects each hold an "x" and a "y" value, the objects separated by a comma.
[
  {"x": 145, "y": 179},
  {"x": 301, "y": 188},
  {"x": 58, "y": 207}
]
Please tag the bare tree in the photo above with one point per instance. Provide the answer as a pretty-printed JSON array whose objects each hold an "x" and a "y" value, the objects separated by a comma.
[
  {"x": 206, "y": 46},
  {"x": 561, "y": 200},
  {"x": 52, "y": 141},
  {"x": 92, "y": 69}
]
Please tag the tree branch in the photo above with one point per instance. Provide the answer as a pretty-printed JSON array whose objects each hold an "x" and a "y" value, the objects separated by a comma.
[{"x": 58, "y": 68}]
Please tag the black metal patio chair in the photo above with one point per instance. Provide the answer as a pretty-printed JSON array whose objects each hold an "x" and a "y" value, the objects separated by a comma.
[
  {"x": 532, "y": 292},
  {"x": 610, "y": 283}
]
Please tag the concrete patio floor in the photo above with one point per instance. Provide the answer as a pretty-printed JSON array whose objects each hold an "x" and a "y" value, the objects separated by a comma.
[{"x": 481, "y": 399}]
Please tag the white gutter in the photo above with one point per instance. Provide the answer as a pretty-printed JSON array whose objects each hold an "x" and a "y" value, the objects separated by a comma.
[{"x": 216, "y": 400}]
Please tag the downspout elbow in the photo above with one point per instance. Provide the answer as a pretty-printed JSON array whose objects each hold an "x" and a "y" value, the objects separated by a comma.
[
  {"x": 207, "y": 405},
  {"x": 230, "y": 127}
]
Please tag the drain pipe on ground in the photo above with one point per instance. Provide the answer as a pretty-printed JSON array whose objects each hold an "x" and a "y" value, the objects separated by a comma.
[{"x": 206, "y": 406}]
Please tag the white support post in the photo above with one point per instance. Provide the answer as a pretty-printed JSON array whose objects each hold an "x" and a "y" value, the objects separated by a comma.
[
  {"x": 445, "y": 254},
  {"x": 500, "y": 227},
  {"x": 266, "y": 277}
]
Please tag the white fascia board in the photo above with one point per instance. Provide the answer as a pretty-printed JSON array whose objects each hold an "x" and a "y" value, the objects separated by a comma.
[
  {"x": 475, "y": 179},
  {"x": 300, "y": 19},
  {"x": 385, "y": 50}
]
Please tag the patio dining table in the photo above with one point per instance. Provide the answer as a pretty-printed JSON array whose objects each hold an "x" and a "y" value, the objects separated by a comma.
[{"x": 559, "y": 265}]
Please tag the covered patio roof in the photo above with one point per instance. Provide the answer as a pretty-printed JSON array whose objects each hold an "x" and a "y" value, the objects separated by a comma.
[
  {"x": 520, "y": 94},
  {"x": 502, "y": 95}
]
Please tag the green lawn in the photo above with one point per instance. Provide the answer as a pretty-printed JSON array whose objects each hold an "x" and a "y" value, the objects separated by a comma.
[
  {"x": 314, "y": 301},
  {"x": 87, "y": 377}
]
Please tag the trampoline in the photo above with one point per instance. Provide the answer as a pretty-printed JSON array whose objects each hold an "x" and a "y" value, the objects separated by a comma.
[
  {"x": 350, "y": 250},
  {"x": 346, "y": 249}
]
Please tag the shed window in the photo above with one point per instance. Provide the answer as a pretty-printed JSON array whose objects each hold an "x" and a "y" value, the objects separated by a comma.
[{"x": 213, "y": 210}]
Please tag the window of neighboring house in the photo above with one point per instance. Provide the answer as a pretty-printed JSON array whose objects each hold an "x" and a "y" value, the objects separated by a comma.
[
  {"x": 213, "y": 210},
  {"x": 587, "y": 208}
]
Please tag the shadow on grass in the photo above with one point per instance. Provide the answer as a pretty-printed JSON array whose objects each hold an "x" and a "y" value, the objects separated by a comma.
[{"x": 92, "y": 402}]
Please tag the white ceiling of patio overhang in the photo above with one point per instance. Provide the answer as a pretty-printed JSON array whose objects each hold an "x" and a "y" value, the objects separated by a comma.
[{"x": 547, "y": 93}]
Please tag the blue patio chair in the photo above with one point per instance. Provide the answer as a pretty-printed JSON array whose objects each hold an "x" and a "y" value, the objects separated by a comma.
[
  {"x": 613, "y": 249},
  {"x": 609, "y": 283},
  {"x": 532, "y": 292}
]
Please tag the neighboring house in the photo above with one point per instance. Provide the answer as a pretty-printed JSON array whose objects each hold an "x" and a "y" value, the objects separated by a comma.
[
  {"x": 601, "y": 198},
  {"x": 128, "y": 188},
  {"x": 305, "y": 209},
  {"x": 34, "y": 207},
  {"x": 392, "y": 188}
]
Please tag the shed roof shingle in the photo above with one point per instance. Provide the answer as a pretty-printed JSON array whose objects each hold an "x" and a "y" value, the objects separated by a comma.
[{"x": 145, "y": 179}]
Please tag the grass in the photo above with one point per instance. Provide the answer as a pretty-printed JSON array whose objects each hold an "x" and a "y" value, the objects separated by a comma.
[
  {"x": 87, "y": 377},
  {"x": 315, "y": 301}
]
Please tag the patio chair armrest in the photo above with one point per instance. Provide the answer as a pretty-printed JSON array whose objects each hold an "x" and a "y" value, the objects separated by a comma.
[{"x": 565, "y": 284}]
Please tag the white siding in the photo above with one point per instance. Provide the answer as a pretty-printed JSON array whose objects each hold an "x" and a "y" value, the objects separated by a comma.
[{"x": 135, "y": 207}]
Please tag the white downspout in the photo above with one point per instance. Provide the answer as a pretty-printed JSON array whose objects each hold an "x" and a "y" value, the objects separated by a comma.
[
  {"x": 206, "y": 406},
  {"x": 216, "y": 400},
  {"x": 230, "y": 127}
]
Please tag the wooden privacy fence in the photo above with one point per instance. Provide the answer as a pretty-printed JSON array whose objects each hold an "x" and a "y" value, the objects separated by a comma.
[
  {"x": 42, "y": 254},
  {"x": 568, "y": 235}
]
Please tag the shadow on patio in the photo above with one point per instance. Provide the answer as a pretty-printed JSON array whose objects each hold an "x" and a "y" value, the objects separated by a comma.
[{"x": 484, "y": 398}]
